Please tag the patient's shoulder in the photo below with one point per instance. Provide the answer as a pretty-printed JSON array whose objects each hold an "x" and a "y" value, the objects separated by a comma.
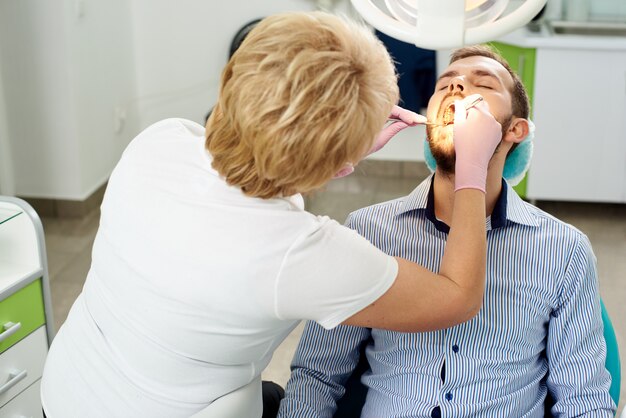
[
  {"x": 380, "y": 214},
  {"x": 552, "y": 228}
]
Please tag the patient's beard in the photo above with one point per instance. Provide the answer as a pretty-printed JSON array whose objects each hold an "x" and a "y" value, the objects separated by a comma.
[{"x": 442, "y": 146}]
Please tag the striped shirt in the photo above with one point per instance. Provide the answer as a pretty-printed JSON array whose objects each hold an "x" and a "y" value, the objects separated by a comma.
[{"x": 539, "y": 330}]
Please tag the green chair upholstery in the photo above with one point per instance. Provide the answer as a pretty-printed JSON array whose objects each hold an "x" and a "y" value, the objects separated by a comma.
[
  {"x": 612, "y": 356},
  {"x": 612, "y": 360}
]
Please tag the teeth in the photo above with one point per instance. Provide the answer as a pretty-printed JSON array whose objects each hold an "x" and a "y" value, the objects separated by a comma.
[{"x": 448, "y": 115}]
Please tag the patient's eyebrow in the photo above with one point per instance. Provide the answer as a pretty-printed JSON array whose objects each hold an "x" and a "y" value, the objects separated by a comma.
[
  {"x": 448, "y": 74},
  {"x": 476, "y": 73},
  {"x": 484, "y": 73}
]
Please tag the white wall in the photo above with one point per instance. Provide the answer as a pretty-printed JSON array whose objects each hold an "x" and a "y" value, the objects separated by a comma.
[
  {"x": 102, "y": 70},
  {"x": 7, "y": 185},
  {"x": 181, "y": 47},
  {"x": 612, "y": 10},
  {"x": 33, "y": 56},
  {"x": 66, "y": 65}
]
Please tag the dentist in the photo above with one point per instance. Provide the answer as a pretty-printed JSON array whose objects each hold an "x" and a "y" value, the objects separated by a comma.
[{"x": 205, "y": 258}]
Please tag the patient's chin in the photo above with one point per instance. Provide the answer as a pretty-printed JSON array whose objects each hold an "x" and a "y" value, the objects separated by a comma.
[
  {"x": 445, "y": 160},
  {"x": 442, "y": 148}
]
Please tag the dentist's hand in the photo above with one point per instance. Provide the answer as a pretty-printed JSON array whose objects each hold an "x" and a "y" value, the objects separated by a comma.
[
  {"x": 476, "y": 135},
  {"x": 403, "y": 119}
]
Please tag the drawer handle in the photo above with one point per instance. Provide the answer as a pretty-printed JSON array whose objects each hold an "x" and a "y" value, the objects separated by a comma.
[
  {"x": 9, "y": 329},
  {"x": 14, "y": 379}
]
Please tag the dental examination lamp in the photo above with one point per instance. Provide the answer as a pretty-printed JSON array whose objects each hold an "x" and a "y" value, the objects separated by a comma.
[{"x": 445, "y": 24}]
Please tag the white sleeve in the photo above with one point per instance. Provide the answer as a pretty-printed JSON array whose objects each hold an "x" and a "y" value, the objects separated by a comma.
[{"x": 331, "y": 273}]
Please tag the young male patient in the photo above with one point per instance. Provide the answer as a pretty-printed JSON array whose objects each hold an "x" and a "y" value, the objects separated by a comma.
[{"x": 539, "y": 331}]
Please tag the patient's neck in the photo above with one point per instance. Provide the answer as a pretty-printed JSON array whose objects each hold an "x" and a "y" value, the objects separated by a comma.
[{"x": 444, "y": 193}]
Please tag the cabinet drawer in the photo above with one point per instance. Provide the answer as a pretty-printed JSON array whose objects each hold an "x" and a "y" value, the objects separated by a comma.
[
  {"x": 22, "y": 365},
  {"x": 25, "y": 310},
  {"x": 26, "y": 405}
]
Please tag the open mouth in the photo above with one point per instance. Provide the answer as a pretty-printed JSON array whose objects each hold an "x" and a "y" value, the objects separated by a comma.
[{"x": 448, "y": 115}]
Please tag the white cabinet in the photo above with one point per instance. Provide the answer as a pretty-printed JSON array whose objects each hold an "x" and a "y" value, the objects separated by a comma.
[
  {"x": 22, "y": 365},
  {"x": 25, "y": 310},
  {"x": 580, "y": 113},
  {"x": 27, "y": 404}
]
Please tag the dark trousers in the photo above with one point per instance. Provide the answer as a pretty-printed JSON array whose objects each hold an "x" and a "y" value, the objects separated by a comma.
[{"x": 272, "y": 395}]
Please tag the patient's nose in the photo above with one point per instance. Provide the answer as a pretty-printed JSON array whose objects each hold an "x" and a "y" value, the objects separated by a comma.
[{"x": 457, "y": 84}]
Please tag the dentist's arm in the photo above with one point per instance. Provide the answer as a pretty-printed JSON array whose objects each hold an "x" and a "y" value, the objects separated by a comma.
[{"x": 420, "y": 300}]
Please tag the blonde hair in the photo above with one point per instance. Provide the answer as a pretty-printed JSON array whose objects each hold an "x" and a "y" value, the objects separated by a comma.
[{"x": 303, "y": 95}]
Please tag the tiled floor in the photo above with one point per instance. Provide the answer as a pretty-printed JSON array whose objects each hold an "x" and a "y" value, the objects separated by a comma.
[{"x": 69, "y": 244}]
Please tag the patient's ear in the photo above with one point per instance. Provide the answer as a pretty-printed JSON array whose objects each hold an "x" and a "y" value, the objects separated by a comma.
[{"x": 518, "y": 130}]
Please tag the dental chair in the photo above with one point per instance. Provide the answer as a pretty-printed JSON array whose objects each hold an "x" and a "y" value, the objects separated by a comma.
[
  {"x": 612, "y": 356},
  {"x": 351, "y": 404}
]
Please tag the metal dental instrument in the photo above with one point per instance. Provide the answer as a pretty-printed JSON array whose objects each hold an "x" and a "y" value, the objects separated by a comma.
[
  {"x": 468, "y": 107},
  {"x": 474, "y": 103},
  {"x": 391, "y": 119}
]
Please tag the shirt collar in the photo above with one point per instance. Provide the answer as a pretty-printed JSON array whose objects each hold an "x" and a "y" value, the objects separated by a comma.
[{"x": 509, "y": 207}]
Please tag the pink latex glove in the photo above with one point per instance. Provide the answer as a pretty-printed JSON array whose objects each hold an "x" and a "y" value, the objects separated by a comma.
[
  {"x": 476, "y": 135},
  {"x": 403, "y": 118}
]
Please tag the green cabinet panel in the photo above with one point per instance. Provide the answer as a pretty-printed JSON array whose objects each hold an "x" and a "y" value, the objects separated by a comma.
[
  {"x": 26, "y": 307},
  {"x": 522, "y": 61}
]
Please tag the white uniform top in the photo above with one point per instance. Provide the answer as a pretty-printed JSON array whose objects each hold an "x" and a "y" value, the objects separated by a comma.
[{"x": 193, "y": 285}]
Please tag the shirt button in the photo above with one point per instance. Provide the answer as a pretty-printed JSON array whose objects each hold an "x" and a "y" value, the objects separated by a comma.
[
  {"x": 448, "y": 396},
  {"x": 455, "y": 348},
  {"x": 436, "y": 412}
]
